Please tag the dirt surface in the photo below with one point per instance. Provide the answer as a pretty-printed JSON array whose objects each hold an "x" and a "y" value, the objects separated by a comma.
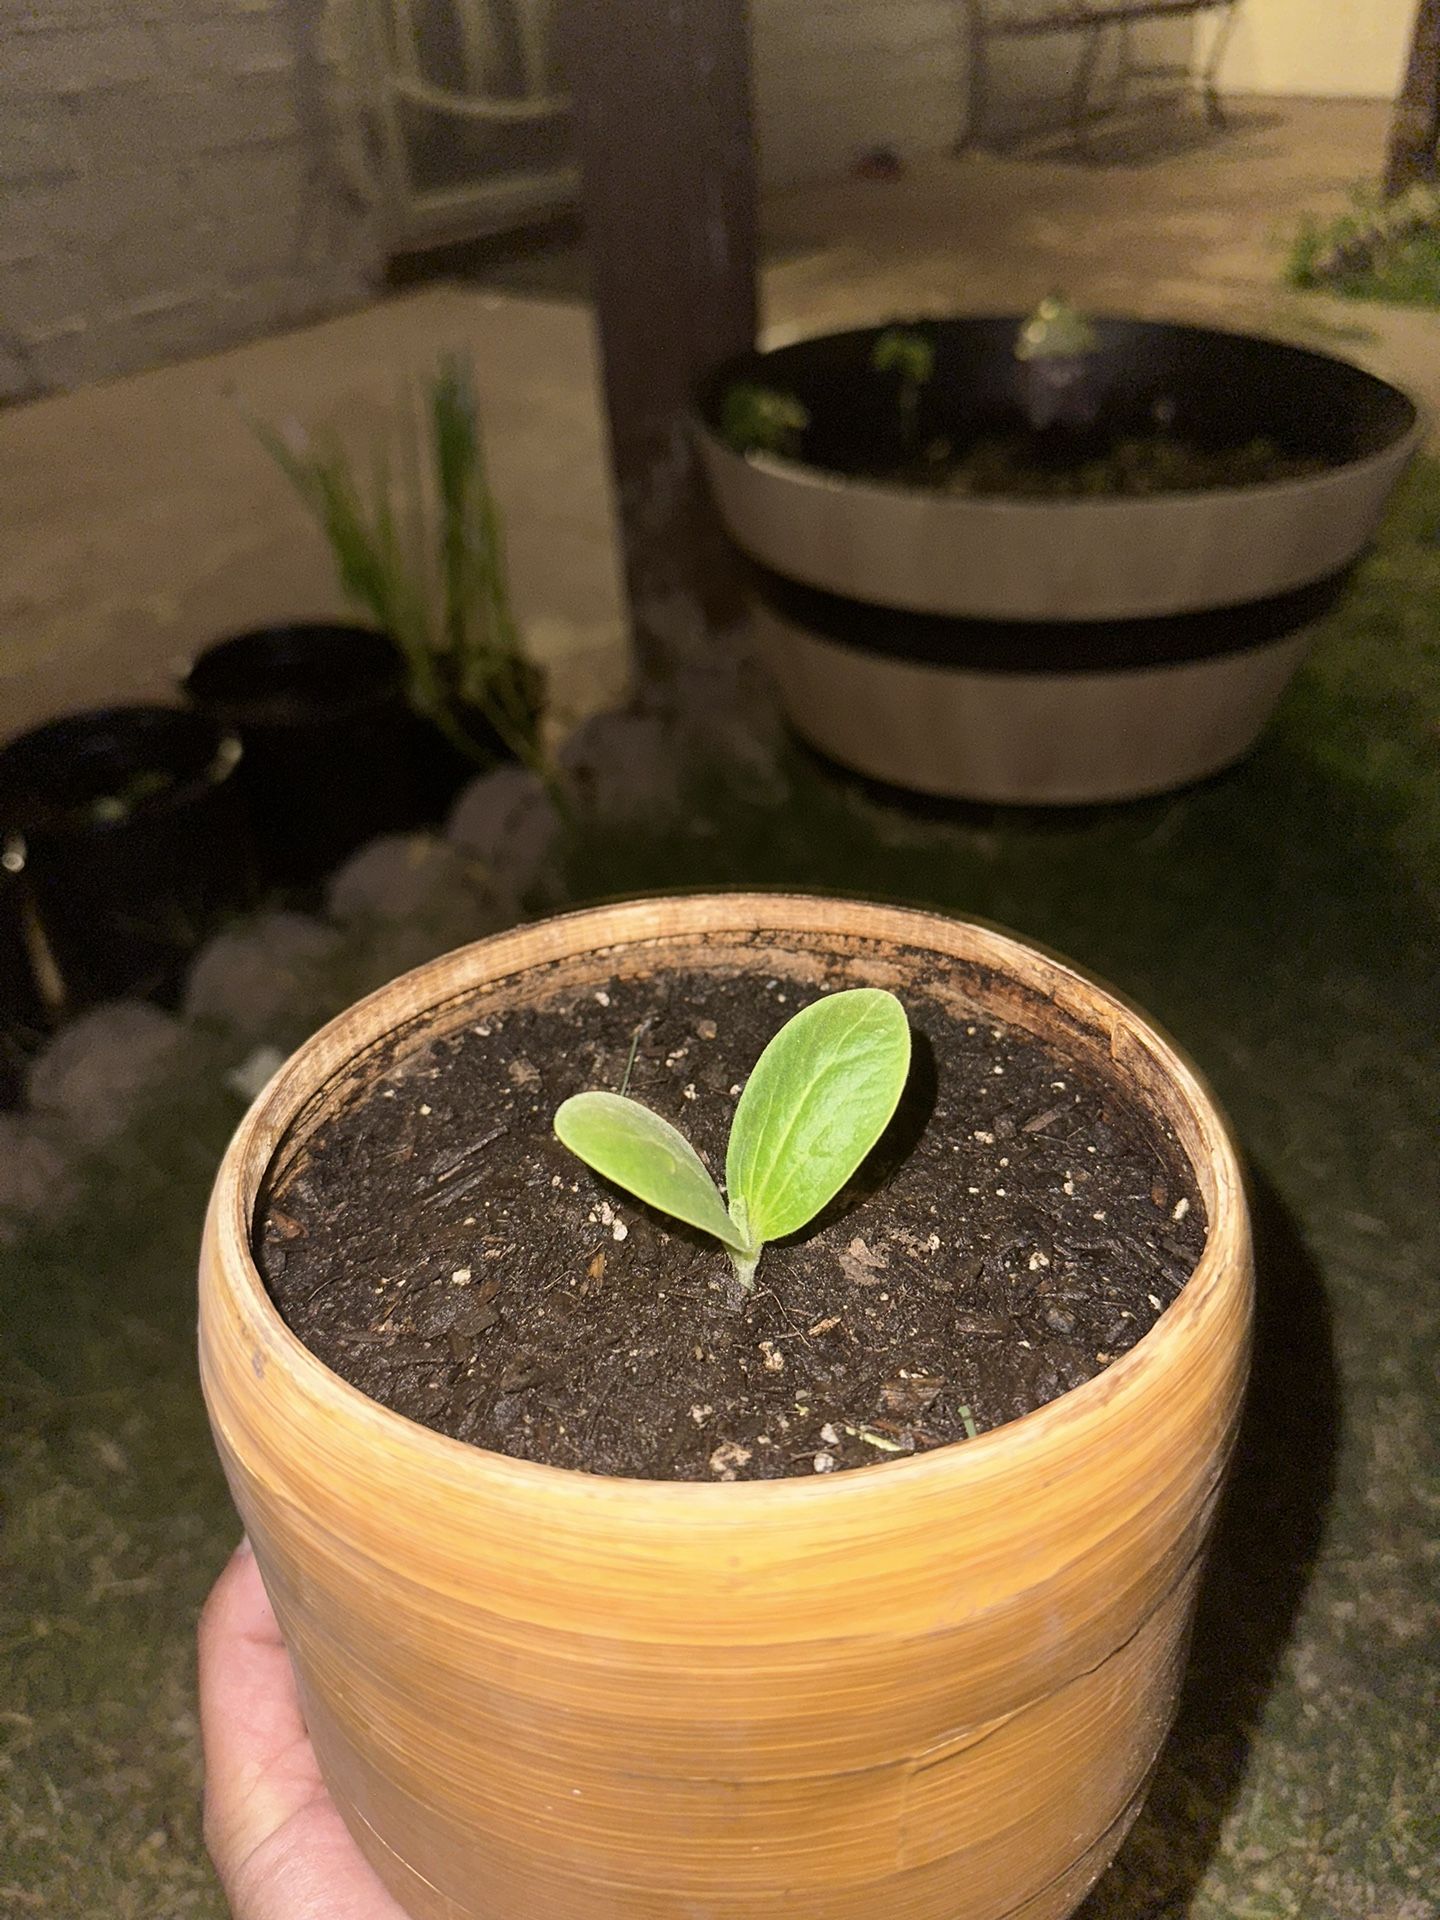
[
  {"x": 1133, "y": 465},
  {"x": 1017, "y": 1228}
]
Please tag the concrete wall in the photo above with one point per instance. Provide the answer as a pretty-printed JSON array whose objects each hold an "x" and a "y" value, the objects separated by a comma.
[
  {"x": 1350, "y": 48},
  {"x": 166, "y": 184}
]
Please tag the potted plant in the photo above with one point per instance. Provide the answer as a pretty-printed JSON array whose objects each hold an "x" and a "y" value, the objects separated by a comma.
[
  {"x": 354, "y": 731},
  {"x": 792, "y": 1641},
  {"x": 1051, "y": 560},
  {"x": 132, "y": 840}
]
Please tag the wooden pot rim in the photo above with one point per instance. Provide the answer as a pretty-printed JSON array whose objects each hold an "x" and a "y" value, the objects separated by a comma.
[{"x": 1198, "y": 1316}]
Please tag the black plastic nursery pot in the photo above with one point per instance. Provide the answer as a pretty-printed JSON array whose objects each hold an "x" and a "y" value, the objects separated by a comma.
[
  {"x": 1049, "y": 648},
  {"x": 133, "y": 841},
  {"x": 334, "y": 753},
  {"x": 330, "y": 740}
]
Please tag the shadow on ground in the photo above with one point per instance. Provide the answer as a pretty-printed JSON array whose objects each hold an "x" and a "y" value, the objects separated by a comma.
[{"x": 1261, "y": 1563}]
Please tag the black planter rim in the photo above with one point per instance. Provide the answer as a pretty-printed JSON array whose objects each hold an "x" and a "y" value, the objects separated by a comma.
[
  {"x": 709, "y": 392},
  {"x": 52, "y": 738},
  {"x": 379, "y": 673}
]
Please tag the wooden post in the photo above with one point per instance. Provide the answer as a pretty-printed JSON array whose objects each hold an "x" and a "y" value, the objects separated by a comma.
[
  {"x": 1415, "y": 129},
  {"x": 661, "y": 92}
]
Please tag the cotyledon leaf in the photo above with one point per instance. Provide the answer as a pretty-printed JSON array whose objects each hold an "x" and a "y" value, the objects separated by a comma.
[
  {"x": 639, "y": 1151},
  {"x": 821, "y": 1094}
]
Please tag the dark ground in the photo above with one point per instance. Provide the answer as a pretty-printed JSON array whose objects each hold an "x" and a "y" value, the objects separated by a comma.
[{"x": 1281, "y": 921}]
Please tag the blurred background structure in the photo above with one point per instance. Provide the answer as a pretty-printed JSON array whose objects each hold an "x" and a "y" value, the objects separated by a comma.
[
  {"x": 180, "y": 180},
  {"x": 177, "y": 178}
]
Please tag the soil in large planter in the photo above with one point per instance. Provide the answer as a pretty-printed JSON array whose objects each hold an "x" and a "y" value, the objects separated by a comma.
[
  {"x": 1063, "y": 466},
  {"x": 1020, "y": 1225}
]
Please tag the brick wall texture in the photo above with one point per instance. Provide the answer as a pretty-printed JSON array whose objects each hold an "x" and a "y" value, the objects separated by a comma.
[{"x": 168, "y": 184}]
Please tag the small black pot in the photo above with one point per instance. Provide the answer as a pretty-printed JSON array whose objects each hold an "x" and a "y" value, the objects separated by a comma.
[
  {"x": 133, "y": 839},
  {"x": 334, "y": 754}
]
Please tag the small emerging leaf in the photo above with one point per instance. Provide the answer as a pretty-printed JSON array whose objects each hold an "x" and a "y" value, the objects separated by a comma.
[
  {"x": 905, "y": 351},
  {"x": 1055, "y": 330},
  {"x": 821, "y": 1095},
  {"x": 639, "y": 1151},
  {"x": 762, "y": 419}
]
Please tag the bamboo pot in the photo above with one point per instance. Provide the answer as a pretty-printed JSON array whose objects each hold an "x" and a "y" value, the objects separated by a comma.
[{"x": 930, "y": 1690}]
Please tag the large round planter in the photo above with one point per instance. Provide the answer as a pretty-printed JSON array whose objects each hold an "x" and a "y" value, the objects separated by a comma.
[
  {"x": 124, "y": 893},
  {"x": 1050, "y": 650},
  {"x": 931, "y": 1689}
]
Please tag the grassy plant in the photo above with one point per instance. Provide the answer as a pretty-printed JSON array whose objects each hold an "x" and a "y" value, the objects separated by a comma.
[
  {"x": 421, "y": 550},
  {"x": 910, "y": 354},
  {"x": 820, "y": 1096},
  {"x": 1377, "y": 250}
]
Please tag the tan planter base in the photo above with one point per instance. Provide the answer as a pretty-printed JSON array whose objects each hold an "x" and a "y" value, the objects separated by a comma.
[
  {"x": 1041, "y": 739},
  {"x": 929, "y": 1690}
]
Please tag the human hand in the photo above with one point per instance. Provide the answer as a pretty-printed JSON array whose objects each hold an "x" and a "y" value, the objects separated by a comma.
[{"x": 279, "y": 1845}]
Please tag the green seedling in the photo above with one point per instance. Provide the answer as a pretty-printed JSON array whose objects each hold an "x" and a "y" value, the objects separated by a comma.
[
  {"x": 763, "y": 420},
  {"x": 820, "y": 1096},
  {"x": 1056, "y": 352},
  {"x": 910, "y": 354},
  {"x": 1056, "y": 330}
]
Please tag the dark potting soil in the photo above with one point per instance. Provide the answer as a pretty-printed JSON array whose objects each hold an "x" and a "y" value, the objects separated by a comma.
[
  {"x": 1019, "y": 1226},
  {"x": 1137, "y": 465}
]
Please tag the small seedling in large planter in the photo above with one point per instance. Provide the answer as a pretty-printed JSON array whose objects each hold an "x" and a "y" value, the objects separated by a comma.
[
  {"x": 820, "y": 1096},
  {"x": 910, "y": 354},
  {"x": 764, "y": 420},
  {"x": 1056, "y": 352}
]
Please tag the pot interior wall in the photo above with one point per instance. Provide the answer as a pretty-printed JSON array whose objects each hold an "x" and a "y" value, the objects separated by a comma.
[
  {"x": 52, "y": 777},
  {"x": 23, "y": 1014},
  {"x": 292, "y": 676},
  {"x": 334, "y": 754}
]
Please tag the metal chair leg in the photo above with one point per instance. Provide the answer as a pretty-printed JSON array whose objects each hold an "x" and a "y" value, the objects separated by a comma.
[
  {"x": 978, "y": 88},
  {"x": 1084, "y": 79},
  {"x": 1214, "y": 107}
]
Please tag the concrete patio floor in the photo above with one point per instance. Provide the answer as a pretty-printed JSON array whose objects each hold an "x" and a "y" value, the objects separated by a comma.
[{"x": 144, "y": 520}]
